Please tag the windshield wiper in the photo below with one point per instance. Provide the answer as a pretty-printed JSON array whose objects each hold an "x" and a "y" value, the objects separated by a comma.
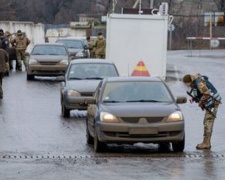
[
  {"x": 37, "y": 54},
  {"x": 55, "y": 54},
  {"x": 100, "y": 78},
  {"x": 111, "y": 101},
  {"x": 143, "y": 100},
  {"x": 75, "y": 78}
]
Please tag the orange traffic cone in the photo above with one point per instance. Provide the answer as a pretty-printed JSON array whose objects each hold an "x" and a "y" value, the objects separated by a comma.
[{"x": 140, "y": 70}]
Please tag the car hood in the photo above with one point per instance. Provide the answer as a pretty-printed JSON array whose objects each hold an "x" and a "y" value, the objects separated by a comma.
[
  {"x": 52, "y": 58},
  {"x": 83, "y": 85},
  {"x": 139, "y": 109}
]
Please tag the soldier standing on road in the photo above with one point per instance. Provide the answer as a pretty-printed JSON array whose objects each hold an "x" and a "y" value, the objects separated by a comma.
[
  {"x": 3, "y": 61},
  {"x": 208, "y": 98},
  {"x": 91, "y": 47},
  {"x": 100, "y": 47},
  {"x": 21, "y": 42},
  {"x": 5, "y": 45}
]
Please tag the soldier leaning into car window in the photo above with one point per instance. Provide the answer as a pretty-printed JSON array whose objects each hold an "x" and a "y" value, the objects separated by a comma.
[
  {"x": 3, "y": 61},
  {"x": 21, "y": 43},
  {"x": 206, "y": 95}
]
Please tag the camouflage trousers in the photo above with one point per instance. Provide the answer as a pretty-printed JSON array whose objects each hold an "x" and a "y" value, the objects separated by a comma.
[
  {"x": 209, "y": 122},
  {"x": 1, "y": 90},
  {"x": 21, "y": 57}
]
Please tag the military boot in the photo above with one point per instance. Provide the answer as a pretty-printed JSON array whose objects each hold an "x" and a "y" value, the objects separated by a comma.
[{"x": 206, "y": 144}]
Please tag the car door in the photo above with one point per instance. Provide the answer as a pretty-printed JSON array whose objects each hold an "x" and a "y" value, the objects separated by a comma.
[{"x": 93, "y": 111}]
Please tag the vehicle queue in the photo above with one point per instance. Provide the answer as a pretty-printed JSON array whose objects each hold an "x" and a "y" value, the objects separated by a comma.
[{"x": 119, "y": 109}]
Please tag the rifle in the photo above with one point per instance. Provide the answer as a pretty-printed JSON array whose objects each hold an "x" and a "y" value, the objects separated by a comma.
[{"x": 203, "y": 107}]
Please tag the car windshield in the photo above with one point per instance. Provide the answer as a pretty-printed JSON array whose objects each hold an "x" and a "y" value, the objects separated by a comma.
[
  {"x": 49, "y": 50},
  {"x": 91, "y": 71},
  {"x": 132, "y": 92},
  {"x": 74, "y": 44}
]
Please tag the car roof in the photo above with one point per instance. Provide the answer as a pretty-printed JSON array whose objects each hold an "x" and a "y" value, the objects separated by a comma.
[
  {"x": 72, "y": 38},
  {"x": 49, "y": 44},
  {"x": 133, "y": 78},
  {"x": 98, "y": 61}
]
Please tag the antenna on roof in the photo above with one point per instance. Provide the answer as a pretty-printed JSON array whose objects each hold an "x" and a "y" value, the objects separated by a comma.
[
  {"x": 140, "y": 6},
  {"x": 114, "y": 5}
]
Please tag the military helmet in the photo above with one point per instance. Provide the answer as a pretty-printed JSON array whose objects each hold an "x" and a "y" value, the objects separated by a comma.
[
  {"x": 19, "y": 32},
  {"x": 7, "y": 33},
  {"x": 1, "y": 32},
  {"x": 187, "y": 78}
]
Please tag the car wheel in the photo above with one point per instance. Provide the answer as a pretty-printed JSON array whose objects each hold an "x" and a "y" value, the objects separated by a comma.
[
  {"x": 65, "y": 111},
  {"x": 179, "y": 146},
  {"x": 89, "y": 138},
  {"x": 98, "y": 146},
  {"x": 164, "y": 147},
  {"x": 30, "y": 77}
]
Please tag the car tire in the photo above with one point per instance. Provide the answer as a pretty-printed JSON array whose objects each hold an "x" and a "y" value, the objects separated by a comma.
[
  {"x": 89, "y": 138},
  {"x": 98, "y": 146},
  {"x": 30, "y": 77},
  {"x": 179, "y": 146},
  {"x": 65, "y": 111},
  {"x": 164, "y": 147}
]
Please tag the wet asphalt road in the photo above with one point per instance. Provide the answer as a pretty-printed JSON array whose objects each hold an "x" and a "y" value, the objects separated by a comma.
[{"x": 37, "y": 143}]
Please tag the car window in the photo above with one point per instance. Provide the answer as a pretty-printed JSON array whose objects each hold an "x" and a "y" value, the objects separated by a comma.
[
  {"x": 74, "y": 44},
  {"x": 49, "y": 50},
  {"x": 136, "y": 92},
  {"x": 92, "y": 70}
]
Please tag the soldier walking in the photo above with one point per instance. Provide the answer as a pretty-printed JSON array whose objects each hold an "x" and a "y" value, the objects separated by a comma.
[
  {"x": 100, "y": 46},
  {"x": 3, "y": 61},
  {"x": 208, "y": 98},
  {"x": 21, "y": 42}
]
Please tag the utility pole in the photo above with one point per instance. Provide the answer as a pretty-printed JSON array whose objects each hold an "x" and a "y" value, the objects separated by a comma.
[
  {"x": 222, "y": 5},
  {"x": 151, "y": 4}
]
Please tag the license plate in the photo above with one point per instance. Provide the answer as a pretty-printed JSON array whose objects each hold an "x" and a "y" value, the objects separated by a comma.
[{"x": 143, "y": 131}]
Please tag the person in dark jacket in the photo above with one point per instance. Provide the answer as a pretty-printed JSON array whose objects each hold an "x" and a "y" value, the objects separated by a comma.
[
  {"x": 209, "y": 99},
  {"x": 4, "y": 40},
  {"x": 4, "y": 59}
]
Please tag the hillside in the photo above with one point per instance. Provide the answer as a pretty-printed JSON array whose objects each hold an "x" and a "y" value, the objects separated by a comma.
[{"x": 64, "y": 11}]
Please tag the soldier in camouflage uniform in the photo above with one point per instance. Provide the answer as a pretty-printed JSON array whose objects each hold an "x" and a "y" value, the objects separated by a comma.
[
  {"x": 208, "y": 98},
  {"x": 5, "y": 45},
  {"x": 3, "y": 61},
  {"x": 90, "y": 46},
  {"x": 21, "y": 42},
  {"x": 100, "y": 46}
]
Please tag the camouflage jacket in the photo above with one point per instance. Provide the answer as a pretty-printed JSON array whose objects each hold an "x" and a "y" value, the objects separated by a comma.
[
  {"x": 3, "y": 60},
  {"x": 100, "y": 46},
  {"x": 204, "y": 91},
  {"x": 20, "y": 42}
]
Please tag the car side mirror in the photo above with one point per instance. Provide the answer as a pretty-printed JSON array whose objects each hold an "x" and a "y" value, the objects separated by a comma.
[
  {"x": 90, "y": 101},
  {"x": 181, "y": 100}
]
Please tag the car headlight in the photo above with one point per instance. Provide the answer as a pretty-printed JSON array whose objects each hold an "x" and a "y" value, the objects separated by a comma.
[
  {"x": 107, "y": 117},
  {"x": 33, "y": 62},
  {"x": 176, "y": 116},
  {"x": 73, "y": 93},
  {"x": 64, "y": 62},
  {"x": 79, "y": 54}
]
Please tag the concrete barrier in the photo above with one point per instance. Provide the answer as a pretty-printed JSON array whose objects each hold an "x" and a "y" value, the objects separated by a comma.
[{"x": 35, "y": 32}]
